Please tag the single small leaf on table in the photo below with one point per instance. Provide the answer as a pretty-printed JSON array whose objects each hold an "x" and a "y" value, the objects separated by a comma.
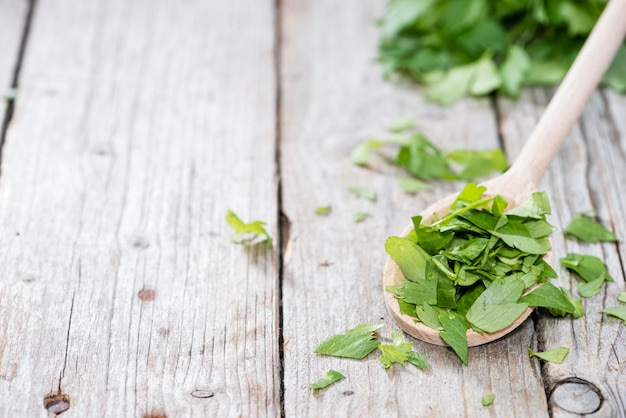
[
  {"x": 616, "y": 311},
  {"x": 365, "y": 193},
  {"x": 248, "y": 233},
  {"x": 399, "y": 352},
  {"x": 488, "y": 400},
  {"x": 586, "y": 229},
  {"x": 331, "y": 377},
  {"x": 556, "y": 355},
  {"x": 357, "y": 343},
  {"x": 323, "y": 210}
]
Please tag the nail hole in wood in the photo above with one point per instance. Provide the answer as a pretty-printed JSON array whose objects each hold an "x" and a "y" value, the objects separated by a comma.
[
  {"x": 202, "y": 393},
  {"x": 146, "y": 295},
  {"x": 577, "y": 396},
  {"x": 348, "y": 393},
  {"x": 140, "y": 243},
  {"x": 56, "y": 403}
]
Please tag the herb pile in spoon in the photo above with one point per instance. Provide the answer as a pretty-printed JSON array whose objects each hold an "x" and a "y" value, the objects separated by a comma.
[{"x": 478, "y": 267}]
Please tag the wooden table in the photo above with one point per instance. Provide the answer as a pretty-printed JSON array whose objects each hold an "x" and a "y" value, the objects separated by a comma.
[{"x": 139, "y": 123}]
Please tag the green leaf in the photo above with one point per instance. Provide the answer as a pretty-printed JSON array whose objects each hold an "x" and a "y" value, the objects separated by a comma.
[
  {"x": 406, "y": 308},
  {"x": 360, "y": 217},
  {"x": 361, "y": 153},
  {"x": 454, "y": 334},
  {"x": 409, "y": 257},
  {"x": 477, "y": 164},
  {"x": 423, "y": 159},
  {"x": 323, "y": 210},
  {"x": 399, "y": 352},
  {"x": 365, "y": 193},
  {"x": 411, "y": 186},
  {"x": 402, "y": 13},
  {"x": 248, "y": 233},
  {"x": 622, "y": 297},
  {"x": 486, "y": 77},
  {"x": 429, "y": 316},
  {"x": 556, "y": 355},
  {"x": 499, "y": 205},
  {"x": 356, "y": 343},
  {"x": 592, "y": 288},
  {"x": 402, "y": 125},
  {"x": 537, "y": 206},
  {"x": 579, "y": 310},
  {"x": 471, "y": 193},
  {"x": 588, "y": 230},
  {"x": 417, "y": 293},
  {"x": 548, "y": 296},
  {"x": 488, "y": 400},
  {"x": 579, "y": 21},
  {"x": 10, "y": 94},
  {"x": 588, "y": 267},
  {"x": 331, "y": 377},
  {"x": 516, "y": 235},
  {"x": 616, "y": 311},
  {"x": 615, "y": 77},
  {"x": 497, "y": 308},
  {"x": 513, "y": 70}
]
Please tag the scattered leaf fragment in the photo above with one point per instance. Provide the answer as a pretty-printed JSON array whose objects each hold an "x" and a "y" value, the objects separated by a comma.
[
  {"x": 323, "y": 210},
  {"x": 10, "y": 94},
  {"x": 616, "y": 311},
  {"x": 400, "y": 352},
  {"x": 402, "y": 125},
  {"x": 622, "y": 297},
  {"x": 356, "y": 343},
  {"x": 588, "y": 230},
  {"x": 488, "y": 400},
  {"x": 248, "y": 233},
  {"x": 454, "y": 333},
  {"x": 556, "y": 355},
  {"x": 588, "y": 267},
  {"x": 331, "y": 377},
  {"x": 360, "y": 217},
  {"x": 410, "y": 185},
  {"x": 365, "y": 193}
]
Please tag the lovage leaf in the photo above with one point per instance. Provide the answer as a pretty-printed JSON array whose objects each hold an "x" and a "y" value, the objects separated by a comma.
[
  {"x": 331, "y": 377},
  {"x": 356, "y": 343},
  {"x": 248, "y": 233},
  {"x": 586, "y": 229},
  {"x": 556, "y": 355}
]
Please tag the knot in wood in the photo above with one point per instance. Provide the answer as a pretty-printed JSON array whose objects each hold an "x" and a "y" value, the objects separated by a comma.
[
  {"x": 56, "y": 403},
  {"x": 577, "y": 396},
  {"x": 202, "y": 393},
  {"x": 146, "y": 295}
]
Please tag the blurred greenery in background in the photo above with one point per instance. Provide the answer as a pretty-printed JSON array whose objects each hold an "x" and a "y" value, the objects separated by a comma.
[{"x": 457, "y": 48}]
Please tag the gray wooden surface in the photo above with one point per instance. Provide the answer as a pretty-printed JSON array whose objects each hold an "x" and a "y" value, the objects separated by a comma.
[{"x": 138, "y": 124}]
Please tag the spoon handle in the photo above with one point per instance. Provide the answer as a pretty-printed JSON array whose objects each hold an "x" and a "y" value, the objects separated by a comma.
[{"x": 568, "y": 102}]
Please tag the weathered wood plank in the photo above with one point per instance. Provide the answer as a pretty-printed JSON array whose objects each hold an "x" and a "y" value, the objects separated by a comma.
[
  {"x": 13, "y": 15},
  {"x": 333, "y": 98},
  {"x": 138, "y": 124},
  {"x": 589, "y": 172}
]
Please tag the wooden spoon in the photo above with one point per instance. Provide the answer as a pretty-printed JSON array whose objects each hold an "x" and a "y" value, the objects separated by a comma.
[{"x": 518, "y": 183}]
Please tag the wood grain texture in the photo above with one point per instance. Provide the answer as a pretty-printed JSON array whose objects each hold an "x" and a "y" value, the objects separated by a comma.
[
  {"x": 138, "y": 125},
  {"x": 589, "y": 172},
  {"x": 12, "y": 20},
  {"x": 333, "y": 97}
]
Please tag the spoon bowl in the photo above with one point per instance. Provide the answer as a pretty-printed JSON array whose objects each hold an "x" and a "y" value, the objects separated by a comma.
[{"x": 522, "y": 178}]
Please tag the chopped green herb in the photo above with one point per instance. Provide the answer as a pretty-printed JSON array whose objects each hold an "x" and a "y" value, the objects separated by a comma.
[
  {"x": 368, "y": 194},
  {"x": 591, "y": 269},
  {"x": 248, "y": 233},
  {"x": 549, "y": 296},
  {"x": 323, "y": 210},
  {"x": 586, "y": 229},
  {"x": 454, "y": 333},
  {"x": 622, "y": 297},
  {"x": 402, "y": 125},
  {"x": 556, "y": 355},
  {"x": 356, "y": 343},
  {"x": 331, "y": 377},
  {"x": 471, "y": 267},
  {"x": 425, "y": 161},
  {"x": 616, "y": 311},
  {"x": 460, "y": 48},
  {"x": 400, "y": 352},
  {"x": 360, "y": 217},
  {"x": 488, "y": 400},
  {"x": 411, "y": 186},
  {"x": 10, "y": 94}
]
